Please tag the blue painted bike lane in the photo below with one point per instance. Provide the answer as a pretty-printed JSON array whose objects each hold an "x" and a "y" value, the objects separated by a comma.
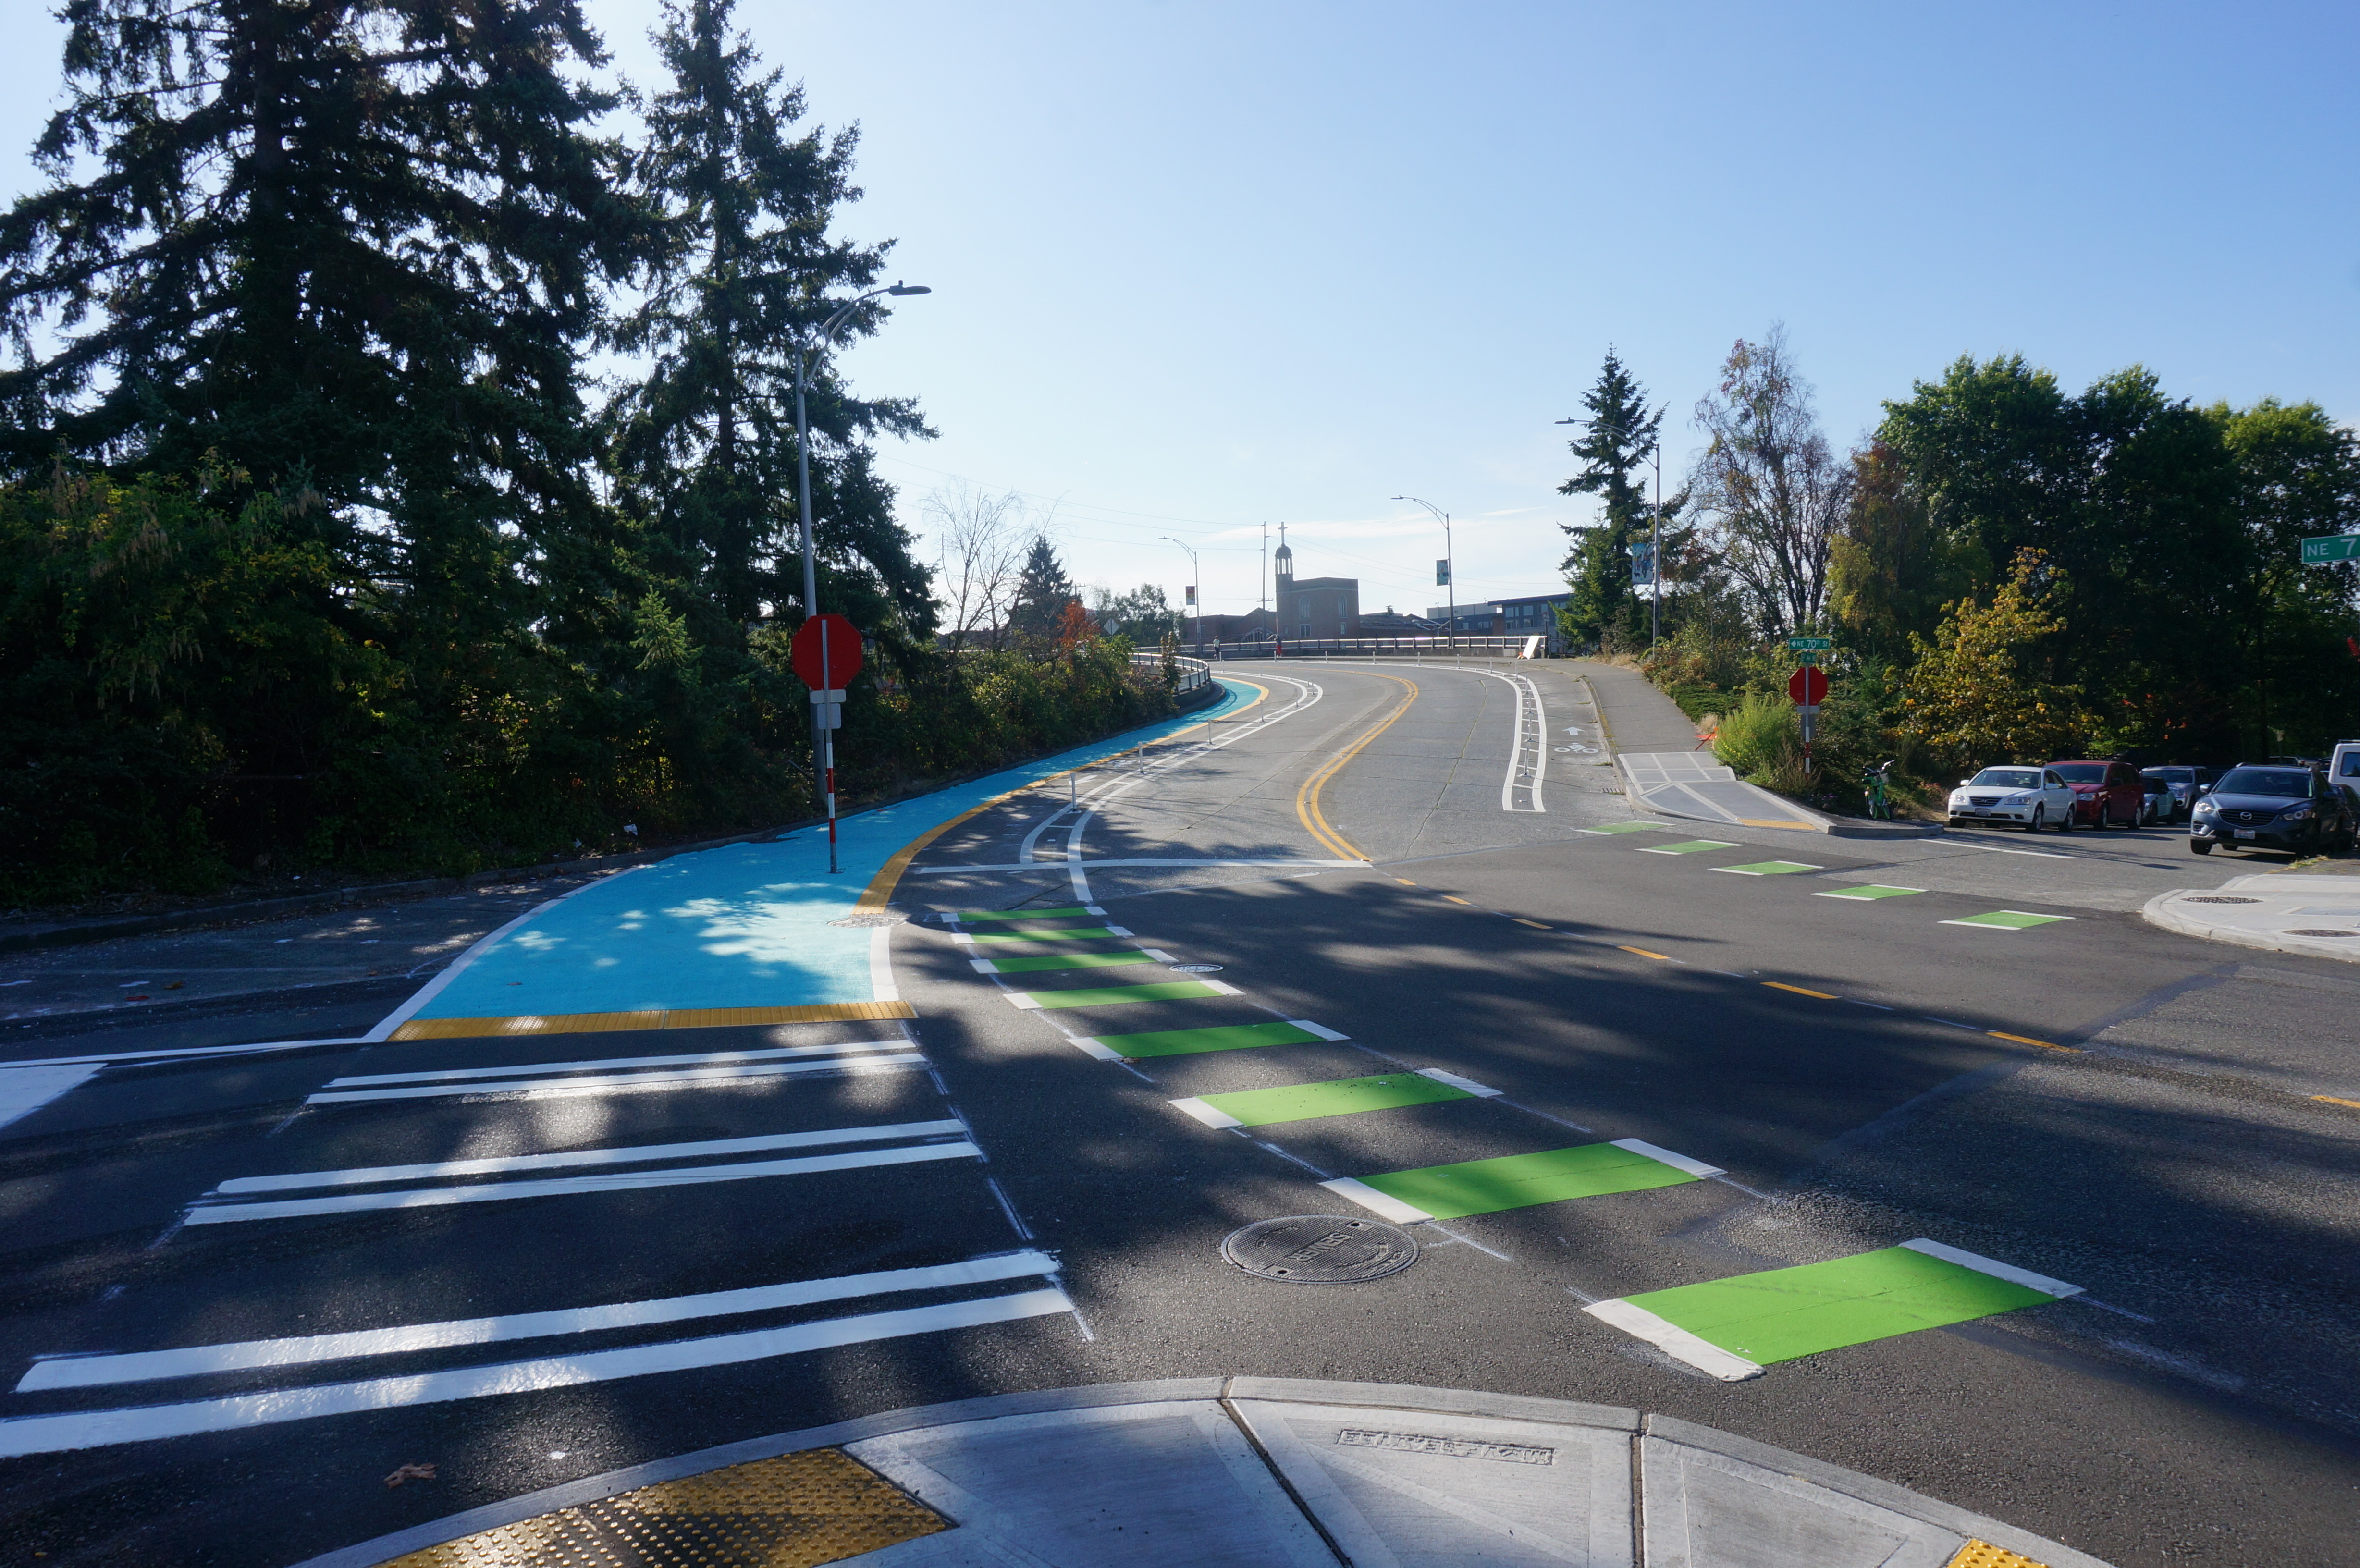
[{"x": 748, "y": 928}]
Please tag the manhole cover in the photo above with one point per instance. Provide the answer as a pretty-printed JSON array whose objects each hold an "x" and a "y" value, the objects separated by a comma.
[
  {"x": 1320, "y": 1249},
  {"x": 2319, "y": 930},
  {"x": 2220, "y": 899},
  {"x": 1194, "y": 968}
]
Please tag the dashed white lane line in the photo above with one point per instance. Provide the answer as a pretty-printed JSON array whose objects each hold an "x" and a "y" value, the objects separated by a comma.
[
  {"x": 24, "y": 1090},
  {"x": 1465, "y": 1085},
  {"x": 558, "y": 1088},
  {"x": 145, "y": 1366},
  {"x": 372, "y": 1175},
  {"x": 615, "y": 1181},
  {"x": 1665, "y": 1157},
  {"x": 1383, "y": 1205},
  {"x": 2008, "y": 1272},
  {"x": 92, "y": 1428},
  {"x": 1675, "y": 1341},
  {"x": 613, "y": 1063}
]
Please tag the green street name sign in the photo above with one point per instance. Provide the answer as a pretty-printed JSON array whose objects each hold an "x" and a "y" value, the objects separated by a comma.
[
  {"x": 2335, "y": 547},
  {"x": 1800, "y": 643}
]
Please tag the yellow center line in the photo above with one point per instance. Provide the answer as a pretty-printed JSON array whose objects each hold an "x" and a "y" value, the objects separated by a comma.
[
  {"x": 1306, "y": 799},
  {"x": 1405, "y": 881},
  {"x": 1457, "y": 900},
  {"x": 1822, "y": 996},
  {"x": 2334, "y": 1100},
  {"x": 2027, "y": 1039},
  {"x": 1643, "y": 953},
  {"x": 881, "y": 887},
  {"x": 1534, "y": 924}
]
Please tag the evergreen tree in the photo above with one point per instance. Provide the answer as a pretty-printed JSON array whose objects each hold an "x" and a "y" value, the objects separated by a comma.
[
  {"x": 704, "y": 441},
  {"x": 347, "y": 245},
  {"x": 1043, "y": 592},
  {"x": 1617, "y": 435}
]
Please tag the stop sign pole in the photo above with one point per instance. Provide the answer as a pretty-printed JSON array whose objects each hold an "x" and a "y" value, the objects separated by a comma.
[
  {"x": 1808, "y": 687},
  {"x": 827, "y": 654}
]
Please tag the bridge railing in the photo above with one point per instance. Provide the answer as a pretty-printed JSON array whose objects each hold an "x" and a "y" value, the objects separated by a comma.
[{"x": 1421, "y": 648}]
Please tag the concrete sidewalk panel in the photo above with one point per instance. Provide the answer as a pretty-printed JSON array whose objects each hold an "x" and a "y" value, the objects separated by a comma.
[
  {"x": 1168, "y": 1483},
  {"x": 1452, "y": 1491},
  {"x": 2277, "y": 911},
  {"x": 1712, "y": 1499}
]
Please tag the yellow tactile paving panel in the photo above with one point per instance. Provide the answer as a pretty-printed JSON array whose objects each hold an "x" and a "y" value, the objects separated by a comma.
[
  {"x": 672, "y": 1018},
  {"x": 794, "y": 1511},
  {"x": 1983, "y": 1554}
]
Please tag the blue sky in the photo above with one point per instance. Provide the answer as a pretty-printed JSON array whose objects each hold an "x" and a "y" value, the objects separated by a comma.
[{"x": 1203, "y": 265}]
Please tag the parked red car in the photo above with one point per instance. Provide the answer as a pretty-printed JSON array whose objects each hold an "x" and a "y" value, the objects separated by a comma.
[{"x": 2104, "y": 793}]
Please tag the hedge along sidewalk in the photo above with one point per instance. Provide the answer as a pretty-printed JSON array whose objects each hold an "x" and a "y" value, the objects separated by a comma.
[
  {"x": 107, "y": 928},
  {"x": 721, "y": 934}
]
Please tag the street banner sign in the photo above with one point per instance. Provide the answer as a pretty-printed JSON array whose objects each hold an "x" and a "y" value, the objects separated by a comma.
[
  {"x": 1191, "y": 592},
  {"x": 842, "y": 655},
  {"x": 1643, "y": 563},
  {"x": 1814, "y": 644},
  {"x": 1442, "y": 574},
  {"x": 1807, "y": 686},
  {"x": 2335, "y": 547}
]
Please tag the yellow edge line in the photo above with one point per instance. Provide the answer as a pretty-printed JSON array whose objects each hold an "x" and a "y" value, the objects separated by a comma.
[
  {"x": 1777, "y": 986},
  {"x": 2027, "y": 1039},
  {"x": 653, "y": 1019},
  {"x": 881, "y": 887},
  {"x": 1306, "y": 797}
]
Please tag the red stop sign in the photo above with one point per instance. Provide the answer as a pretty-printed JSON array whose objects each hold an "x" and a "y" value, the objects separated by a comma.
[
  {"x": 842, "y": 645},
  {"x": 1807, "y": 686}
]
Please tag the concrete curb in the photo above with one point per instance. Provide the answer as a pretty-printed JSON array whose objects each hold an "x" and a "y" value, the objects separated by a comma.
[
  {"x": 2160, "y": 911},
  {"x": 1676, "y": 1467}
]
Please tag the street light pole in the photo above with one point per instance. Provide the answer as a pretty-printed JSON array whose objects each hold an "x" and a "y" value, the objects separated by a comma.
[
  {"x": 822, "y": 737},
  {"x": 1449, "y": 564},
  {"x": 1197, "y": 587},
  {"x": 1655, "y": 554}
]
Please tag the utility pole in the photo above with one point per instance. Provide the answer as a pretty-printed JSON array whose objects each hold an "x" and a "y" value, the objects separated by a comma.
[{"x": 1262, "y": 589}]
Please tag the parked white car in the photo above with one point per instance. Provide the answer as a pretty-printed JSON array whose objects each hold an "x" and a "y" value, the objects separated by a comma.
[{"x": 2028, "y": 798}]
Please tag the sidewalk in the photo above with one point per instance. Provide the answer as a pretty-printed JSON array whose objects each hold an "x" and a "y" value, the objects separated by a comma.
[
  {"x": 2314, "y": 912},
  {"x": 1231, "y": 1471},
  {"x": 1666, "y": 771}
]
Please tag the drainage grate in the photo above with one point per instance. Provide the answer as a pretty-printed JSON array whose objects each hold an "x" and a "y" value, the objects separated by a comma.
[
  {"x": 2318, "y": 930},
  {"x": 2219, "y": 899},
  {"x": 1320, "y": 1249}
]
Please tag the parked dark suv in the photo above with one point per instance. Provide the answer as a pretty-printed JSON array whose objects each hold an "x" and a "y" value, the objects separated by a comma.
[{"x": 2257, "y": 807}]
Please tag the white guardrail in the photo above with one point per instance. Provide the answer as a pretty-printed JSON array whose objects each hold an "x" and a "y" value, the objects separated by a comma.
[{"x": 1192, "y": 672}]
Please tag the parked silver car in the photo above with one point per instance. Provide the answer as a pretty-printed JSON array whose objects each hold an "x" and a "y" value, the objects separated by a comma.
[{"x": 2028, "y": 798}]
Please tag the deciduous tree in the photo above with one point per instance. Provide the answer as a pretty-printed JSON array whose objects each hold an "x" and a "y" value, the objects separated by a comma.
[{"x": 1771, "y": 491}]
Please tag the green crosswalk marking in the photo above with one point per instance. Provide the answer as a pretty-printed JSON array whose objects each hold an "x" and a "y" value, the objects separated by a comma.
[
  {"x": 1021, "y": 914},
  {"x": 1769, "y": 868},
  {"x": 1688, "y": 846},
  {"x": 1112, "y": 996},
  {"x": 1787, "y": 1312},
  {"x": 1342, "y": 1097},
  {"x": 1047, "y": 961},
  {"x": 1043, "y": 935},
  {"x": 1519, "y": 1180},
  {"x": 1626, "y": 827},
  {"x": 2008, "y": 919},
  {"x": 1868, "y": 891},
  {"x": 1221, "y": 1037}
]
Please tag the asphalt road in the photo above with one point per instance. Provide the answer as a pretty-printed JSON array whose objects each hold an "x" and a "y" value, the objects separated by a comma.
[{"x": 2085, "y": 1097}]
